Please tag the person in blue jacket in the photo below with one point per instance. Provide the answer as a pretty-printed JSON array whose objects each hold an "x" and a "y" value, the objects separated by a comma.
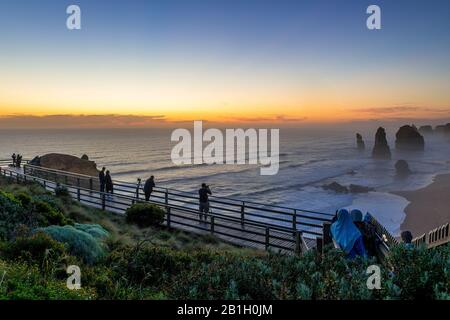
[{"x": 347, "y": 235}]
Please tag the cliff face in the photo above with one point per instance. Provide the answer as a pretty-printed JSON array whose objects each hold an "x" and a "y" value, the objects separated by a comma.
[
  {"x": 381, "y": 148},
  {"x": 409, "y": 138},
  {"x": 69, "y": 163}
]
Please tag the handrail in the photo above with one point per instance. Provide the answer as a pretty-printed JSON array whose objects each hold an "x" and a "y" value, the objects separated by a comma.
[
  {"x": 306, "y": 220},
  {"x": 100, "y": 199},
  {"x": 434, "y": 238}
]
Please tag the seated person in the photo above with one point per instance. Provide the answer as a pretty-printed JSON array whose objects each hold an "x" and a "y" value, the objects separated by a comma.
[
  {"x": 367, "y": 231},
  {"x": 347, "y": 235}
]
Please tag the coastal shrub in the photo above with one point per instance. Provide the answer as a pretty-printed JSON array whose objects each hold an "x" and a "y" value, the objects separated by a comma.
[
  {"x": 12, "y": 214},
  {"x": 24, "y": 199},
  {"x": 149, "y": 264},
  {"x": 420, "y": 273},
  {"x": 22, "y": 281},
  {"x": 33, "y": 249},
  {"x": 79, "y": 243},
  {"x": 145, "y": 215},
  {"x": 49, "y": 199}
]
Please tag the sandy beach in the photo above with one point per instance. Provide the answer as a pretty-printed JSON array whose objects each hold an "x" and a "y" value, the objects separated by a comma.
[{"x": 429, "y": 207}]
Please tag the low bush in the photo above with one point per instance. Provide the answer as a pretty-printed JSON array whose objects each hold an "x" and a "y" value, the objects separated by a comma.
[
  {"x": 420, "y": 273},
  {"x": 12, "y": 214},
  {"x": 145, "y": 215},
  {"x": 47, "y": 215},
  {"x": 61, "y": 191},
  {"x": 34, "y": 249},
  {"x": 95, "y": 230},
  {"x": 79, "y": 243}
]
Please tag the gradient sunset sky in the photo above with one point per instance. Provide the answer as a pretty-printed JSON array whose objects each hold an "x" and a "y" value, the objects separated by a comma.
[{"x": 225, "y": 60}]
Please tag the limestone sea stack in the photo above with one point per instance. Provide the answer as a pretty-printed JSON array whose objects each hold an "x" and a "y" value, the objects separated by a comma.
[
  {"x": 402, "y": 168},
  {"x": 68, "y": 163},
  {"x": 381, "y": 148},
  {"x": 409, "y": 138},
  {"x": 360, "y": 142}
]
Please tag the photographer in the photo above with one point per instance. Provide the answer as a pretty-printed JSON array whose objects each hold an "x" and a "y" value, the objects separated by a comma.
[{"x": 204, "y": 193}]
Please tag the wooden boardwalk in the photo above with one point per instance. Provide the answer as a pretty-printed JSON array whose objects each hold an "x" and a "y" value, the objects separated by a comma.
[{"x": 226, "y": 227}]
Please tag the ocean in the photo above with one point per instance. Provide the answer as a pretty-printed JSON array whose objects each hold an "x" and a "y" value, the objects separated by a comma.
[{"x": 309, "y": 158}]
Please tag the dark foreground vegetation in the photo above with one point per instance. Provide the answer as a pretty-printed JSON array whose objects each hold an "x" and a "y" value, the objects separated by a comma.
[{"x": 134, "y": 258}]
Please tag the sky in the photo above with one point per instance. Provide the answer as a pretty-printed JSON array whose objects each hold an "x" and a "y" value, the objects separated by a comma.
[{"x": 139, "y": 63}]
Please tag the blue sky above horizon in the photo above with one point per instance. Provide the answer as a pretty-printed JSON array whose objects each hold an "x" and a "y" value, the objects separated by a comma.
[{"x": 247, "y": 58}]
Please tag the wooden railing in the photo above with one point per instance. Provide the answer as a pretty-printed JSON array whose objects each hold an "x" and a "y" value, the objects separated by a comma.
[
  {"x": 236, "y": 229},
  {"x": 309, "y": 222},
  {"x": 434, "y": 238}
]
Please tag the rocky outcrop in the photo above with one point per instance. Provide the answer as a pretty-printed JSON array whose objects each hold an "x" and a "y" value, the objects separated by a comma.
[
  {"x": 360, "y": 142},
  {"x": 336, "y": 187},
  {"x": 443, "y": 129},
  {"x": 353, "y": 188},
  {"x": 426, "y": 129},
  {"x": 402, "y": 168},
  {"x": 381, "y": 148},
  {"x": 409, "y": 138},
  {"x": 84, "y": 157},
  {"x": 69, "y": 163}
]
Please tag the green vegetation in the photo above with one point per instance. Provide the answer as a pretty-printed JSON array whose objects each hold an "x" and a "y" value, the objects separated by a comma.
[
  {"x": 42, "y": 234},
  {"x": 145, "y": 215}
]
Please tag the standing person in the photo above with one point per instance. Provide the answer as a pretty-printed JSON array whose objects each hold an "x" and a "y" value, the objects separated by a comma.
[
  {"x": 148, "y": 187},
  {"x": 14, "y": 159},
  {"x": 204, "y": 193},
  {"x": 109, "y": 183},
  {"x": 101, "y": 178},
  {"x": 18, "y": 160}
]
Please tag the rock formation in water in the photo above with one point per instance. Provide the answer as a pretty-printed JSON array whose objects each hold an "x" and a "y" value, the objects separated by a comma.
[
  {"x": 409, "y": 138},
  {"x": 353, "y": 188},
  {"x": 443, "y": 129},
  {"x": 381, "y": 148},
  {"x": 426, "y": 129},
  {"x": 336, "y": 187},
  {"x": 402, "y": 168},
  {"x": 360, "y": 142},
  {"x": 69, "y": 163}
]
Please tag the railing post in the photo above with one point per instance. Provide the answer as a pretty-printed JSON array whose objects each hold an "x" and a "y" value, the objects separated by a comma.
[
  {"x": 326, "y": 234},
  {"x": 103, "y": 202},
  {"x": 212, "y": 224},
  {"x": 319, "y": 245},
  {"x": 91, "y": 184},
  {"x": 298, "y": 242},
  {"x": 168, "y": 216},
  {"x": 166, "y": 197},
  {"x": 267, "y": 238},
  {"x": 294, "y": 220},
  {"x": 78, "y": 190},
  {"x": 66, "y": 180},
  {"x": 45, "y": 184},
  {"x": 242, "y": 213}
]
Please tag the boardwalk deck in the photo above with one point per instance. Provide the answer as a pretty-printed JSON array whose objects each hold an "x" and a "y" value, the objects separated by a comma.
[{"x": 228, "y": 228}]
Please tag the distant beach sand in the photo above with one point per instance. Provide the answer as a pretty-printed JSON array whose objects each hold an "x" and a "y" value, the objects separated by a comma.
[{"x": 429, "y": 207}]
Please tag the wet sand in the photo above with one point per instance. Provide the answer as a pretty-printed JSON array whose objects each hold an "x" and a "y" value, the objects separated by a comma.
[{"x": 429, "y": 207}]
